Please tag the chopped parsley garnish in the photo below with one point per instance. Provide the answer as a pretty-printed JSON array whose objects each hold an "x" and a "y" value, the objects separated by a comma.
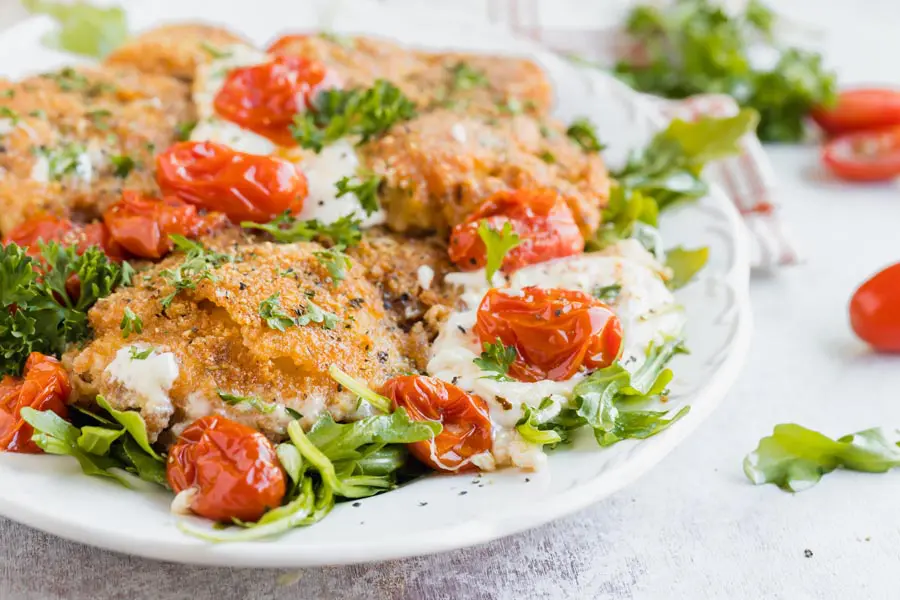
[
  {"x": 8, "y": 113},
  {"x": 8, "y": 93},
  {"x": 583, "y": 133},
  {"x": 366, "y": 113},
  {"x": 183, "y": 130},
  {"x": 252, "y": 401},
  {"x": 38, "y": 114},
  {"x": 135, "y": 353},
  {"x": 214, "y": 51},
  {"x": 510, "y": 106},
  {"x": 335, "y": 261},
  {"x": 197, "y": 266},
  {"x": 68, "y": 80},
  {"x": 131, "y": 323},
  {"x": 548, "y": 157},
  {"x": 61, "y": 161},
  {"x": 315, "y": 314},
  {"x": 364, "y": 188},
  {"x": 465, "y": 77},
  {"x": 98, "y": 118},
  {"x": 606, "y": 293},
  {"x": 497, "y": 359},
  {"x": 287, "y": 229},
  {"x": 496, "y": 245},
  {"x": 83, "y": 28},
  {"x": 271, "y": 312},
  {"x": 122, "y": 164},
  {"x": 46, "y": 318},
  {"x": 685, "y": 264}
]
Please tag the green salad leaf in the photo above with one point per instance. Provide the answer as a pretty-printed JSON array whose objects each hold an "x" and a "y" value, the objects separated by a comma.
[
  {"x": 685, "y": 264},
  {"x": 583, "y": 133},
  {"x": 133, "y": 423},
  {"x": 694, "y": 46},
  {"x": 40, "y": 315},
  {"x": 795, "y": 458},
  {"x": 98, "y": 440},
  {"x": 286, "y": 229},
  {"x": 83, "y": 28},
  {"x": 254, "y": 402},
  {"x": 362, "y": 391}
]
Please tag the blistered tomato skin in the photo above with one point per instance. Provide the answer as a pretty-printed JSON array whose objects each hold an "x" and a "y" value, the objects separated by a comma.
[
  {"x": 233, "y": 468},
  {"x": 50, "y": 228},
  {"x": 542, "y": 219},
  {"x": 44, "y": 386},
  {"x": 555, "y": 332},
  {"x": 245, "y": 187},
  {"x": 142, "y": 225},
  {"x": 465, "y": 419},
  {"x": 265, "y": 98},
  {"x": 875, "y": 310}
]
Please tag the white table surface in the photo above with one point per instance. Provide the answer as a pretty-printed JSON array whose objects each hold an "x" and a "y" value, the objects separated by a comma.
[{"x": 693, "y": 528}]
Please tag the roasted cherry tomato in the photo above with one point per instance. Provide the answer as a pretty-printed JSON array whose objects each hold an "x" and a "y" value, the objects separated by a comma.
[
  {"x": 555, "y": 332},
  {"x": 465, "y": 418},
  {"x": 50, "y": 228},
  {"x": 142, "y": 225},
  {"x": 542, "y": 219},
  {"x": 44, "y": 386},
  {"x": 244, "y": 186},
  {"x": 866, "y": 156},
  {"x": 265, "y": 98},
  {"x": 875, "y": 310},
  {"x": 233, "y": 468},
  {"x": 860, "y": 110}
]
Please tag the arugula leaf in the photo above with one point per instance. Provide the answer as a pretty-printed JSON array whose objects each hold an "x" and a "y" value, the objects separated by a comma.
[
  {"x": 602, "y": 399},
  {"x": 131, "y": 323},
  {"x": 365, "y": 190},
  {"x": 137, "y": 461},
  {"x": 337, "y": 113},
  {"x": 795, "y": 458},
  {"x": 291, "y": 460},
  {"x": 497, "y": 359},
  {"x": 685, "y": 264},
  {"x": 84, "y": 28},
  {"x": 271, "y": 312},
  {"x": 133, "y": 423},
  {"x": 97, "y": 440},
  {"x": 287, "y": 229},
  {"x": 534, "y": 431},
  {"x": 496, "y": 245},
  {"x": 335, "y": 261},
  {"x": 607, "y": 293},
  {"x": 583, "y": 133},
  {"x": 197, "y": 266},
  {"x": 363, "y": 391},
  {"x": 252, "y": 401},
  {"x": 695, "y": 47},
  {"x": 625, "y": 209}
]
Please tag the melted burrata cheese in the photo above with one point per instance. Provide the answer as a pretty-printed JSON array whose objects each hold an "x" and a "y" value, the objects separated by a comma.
[
  {"x": 149, "y": 378},
  {"x": 645, "y": 306}
]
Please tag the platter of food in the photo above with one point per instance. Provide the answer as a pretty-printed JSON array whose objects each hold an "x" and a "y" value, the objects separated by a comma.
[{"x": 286, "y": 292}]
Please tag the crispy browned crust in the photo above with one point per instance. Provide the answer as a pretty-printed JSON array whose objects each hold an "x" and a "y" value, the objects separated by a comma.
[
  {"x": 173, "y": 50},
  {"x": 105, "y": 112},
  {"x": 440, "y": 166},
  {"x": 222, "y": 343}
]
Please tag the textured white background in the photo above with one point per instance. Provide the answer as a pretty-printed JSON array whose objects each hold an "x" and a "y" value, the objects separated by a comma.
[{"x": 693, "y": 528}]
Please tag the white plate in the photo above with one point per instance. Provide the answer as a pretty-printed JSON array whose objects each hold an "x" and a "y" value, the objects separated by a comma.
[{"x": 436, "y": 513}]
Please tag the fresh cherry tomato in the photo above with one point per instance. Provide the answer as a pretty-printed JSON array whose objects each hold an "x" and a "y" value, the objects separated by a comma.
[
  {"x": 875, "y": 310},
  {"x": 142, "y": 225},
  {"x": 44, "y": 386},
  {"x": 542, "y": 219},
  {"x": 465, "y": 418},
  {"x": 265, "y": 98},
  {"x": 555, "y": 332},
  {"x": 244, "y": 186},
  {"x": 50, "y": 228},
  {"x": 860, "y": 110},
  {"x": 233, "y": 468},
  {"x": 865, "y": 156}
]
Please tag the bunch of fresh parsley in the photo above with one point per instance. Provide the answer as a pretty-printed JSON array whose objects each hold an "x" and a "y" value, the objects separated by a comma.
[
  {"x": 694, "y": 47},
  {"x": 39, "y": 314}
]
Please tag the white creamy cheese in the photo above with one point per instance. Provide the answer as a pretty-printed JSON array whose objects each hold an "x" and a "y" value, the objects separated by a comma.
[
  {"x": 149, "y": 378},
  {"x": 644, "y": 305},
  {"x": 425, "y": 275},
  {"x": 40, "y": 170}
]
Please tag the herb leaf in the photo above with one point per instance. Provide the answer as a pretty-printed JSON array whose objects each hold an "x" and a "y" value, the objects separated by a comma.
[
  {"x": 315, "y": 314},
  {"x": 496, "y": 245},
  {"x": 286, "y": 229},
  {"x": 795, "y": 458},
  {"x": 131, "y": 323},
  {"x": 497, "y": 359},
  {"x": 685, "y": 264},
  {"x": 122, "y": 164},
  {"x": 583, "y": 133},
  {"x": 365, "y": 190},
  {"x": 197, "y": 266},
  {"x": 335, "y": 261},
  {"x": 84, "y": 28},
  {"x": 607, "y": 293},
  {"x": 252, "y": 401},
  {"x": 271, "y": 312}
]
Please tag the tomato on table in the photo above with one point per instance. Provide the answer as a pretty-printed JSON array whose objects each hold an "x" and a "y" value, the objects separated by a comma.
[
  {"x": 245, "y": 187},
  {"x": 265, "y": 98},
  {"x": 875, "y": 310},
  {"x": 142, "y": 225},
  {"x": 44, "y": 386},
  {"x": 860, "y": 110},
  {"x": 543, "y": 221},
  {"x": 465, "y": 418},
  {"x": 865, "y": 156},
  {"x": 232, "y": 467},
  {"x": 555, "y": 332}
]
